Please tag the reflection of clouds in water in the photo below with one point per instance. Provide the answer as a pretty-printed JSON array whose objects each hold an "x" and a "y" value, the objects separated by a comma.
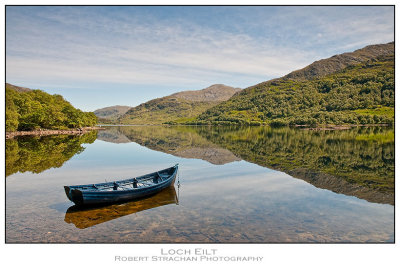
[
  {"x": 276, "y": 199},
  {"x": 234, "y": 179}
]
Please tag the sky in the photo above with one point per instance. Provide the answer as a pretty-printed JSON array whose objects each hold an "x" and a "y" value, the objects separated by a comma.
[{"x": 126, "y": 55}]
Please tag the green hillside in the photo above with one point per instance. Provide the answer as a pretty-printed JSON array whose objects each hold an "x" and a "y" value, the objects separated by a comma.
[
  {"x": 35, "y": 109},
  {"x": 337, "y": 63},
  {"x": 358, "y": 94},
  {"x": 181, "y": 107},
  {"x": 165, "y": 109}
]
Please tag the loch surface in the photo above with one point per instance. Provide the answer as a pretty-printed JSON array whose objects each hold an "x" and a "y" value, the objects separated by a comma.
[{"x": 236, "y": 185}]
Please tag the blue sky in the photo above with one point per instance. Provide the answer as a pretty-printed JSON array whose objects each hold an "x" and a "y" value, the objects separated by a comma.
[{"x": 103, "y": 56}]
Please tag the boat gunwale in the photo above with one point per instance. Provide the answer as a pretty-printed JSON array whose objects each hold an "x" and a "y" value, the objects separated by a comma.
[
  {"x": 106, "y": 192},
  {"x": 138, "y": 189}
]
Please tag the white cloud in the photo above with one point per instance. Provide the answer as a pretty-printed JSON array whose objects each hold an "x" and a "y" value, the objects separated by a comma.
[
  {"x": 134, "y": 53},
  {"x": 76, "y": 44}
]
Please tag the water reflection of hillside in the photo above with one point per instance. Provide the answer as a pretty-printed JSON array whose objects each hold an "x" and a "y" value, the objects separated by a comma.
[
  {"x": 184, "y": 142},
  {"x": 112, "y": 135},
  {"x": 37, "y": 154},
  {"x": 357, "y": 162}
]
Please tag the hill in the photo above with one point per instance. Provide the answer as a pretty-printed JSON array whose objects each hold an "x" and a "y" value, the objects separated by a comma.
[
  {"x": 16, "y": 88},
  {"x": 28, "y": 109},
  {"x": 351, "y": 88},
  {"x": 112, "y": 112},
  {"x": 214, "y": 93},
  {"x": 180, "y": 107},
  {"x": 338, "y": 62}
]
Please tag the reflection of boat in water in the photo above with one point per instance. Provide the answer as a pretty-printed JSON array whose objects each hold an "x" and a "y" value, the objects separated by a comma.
[
  {"x": 84, "y": 217},
  {"x": 124, "y": 190}
]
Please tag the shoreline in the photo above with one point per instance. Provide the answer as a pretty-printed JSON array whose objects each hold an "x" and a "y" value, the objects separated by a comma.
[
  {"x": 46, "y": 132},
  {"x": 304, "y": 127}
]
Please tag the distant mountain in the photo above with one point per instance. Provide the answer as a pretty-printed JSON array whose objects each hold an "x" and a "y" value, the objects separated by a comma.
[
  {"x": 179, "y": 107},
  {"x": 214, "y": 93},
  {"x": 17, "y": 88},
  {"x": 112, "y": 112},
  {"x": 351, "y": 88}
]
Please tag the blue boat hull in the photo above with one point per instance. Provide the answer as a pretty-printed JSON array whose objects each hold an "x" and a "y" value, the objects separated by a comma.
[{"x": 95, "y": 197}]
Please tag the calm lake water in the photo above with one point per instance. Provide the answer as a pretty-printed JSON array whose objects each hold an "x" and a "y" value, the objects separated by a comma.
[{"x": 246, "y": 185}]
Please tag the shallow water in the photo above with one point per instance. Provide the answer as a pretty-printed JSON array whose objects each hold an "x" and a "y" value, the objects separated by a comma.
[{"x": 226, "y": 194}]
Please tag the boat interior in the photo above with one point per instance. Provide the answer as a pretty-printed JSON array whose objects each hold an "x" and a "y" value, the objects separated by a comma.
[{"x": 129, "y": 184}]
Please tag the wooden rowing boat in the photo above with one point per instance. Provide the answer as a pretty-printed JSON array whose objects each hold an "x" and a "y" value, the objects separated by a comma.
[{"x": 123, "y": 190}]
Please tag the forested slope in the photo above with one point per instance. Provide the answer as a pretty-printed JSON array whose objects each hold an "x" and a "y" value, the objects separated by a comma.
[
  {"x": 33, "y": 109},
  {"x": 361, "y": 93}
]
